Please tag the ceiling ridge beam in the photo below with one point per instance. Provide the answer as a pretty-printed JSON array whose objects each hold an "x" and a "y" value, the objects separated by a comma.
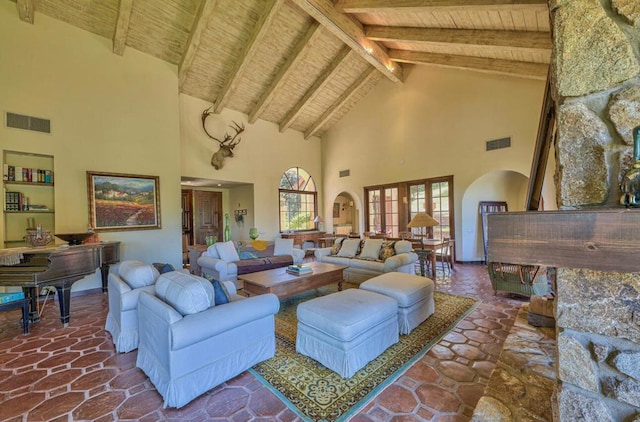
[
  {"x": 480, "y": 37},
  {"x": 497, "y": 66},
  {"x": 26, "y": 10},
  {"x": 376, "y": 6},
  {"x": 286, "y": 69},
  {"x": 122, "y": 26},
  {"x": 250, "y": 49},
  {"x": 366, "y": 76},
  {"x": 350, "y": 32},
  {"x": 193, "y": 43},
  {"x": 315, "y": 89}
]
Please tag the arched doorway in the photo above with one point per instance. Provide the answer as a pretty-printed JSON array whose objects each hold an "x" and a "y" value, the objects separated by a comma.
[
  {"x": 345, "y": 218},
  {"x": 500, "y": 185}
]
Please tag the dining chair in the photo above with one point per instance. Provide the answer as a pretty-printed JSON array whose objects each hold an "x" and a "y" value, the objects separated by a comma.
[{"x": 443, "y": 257}]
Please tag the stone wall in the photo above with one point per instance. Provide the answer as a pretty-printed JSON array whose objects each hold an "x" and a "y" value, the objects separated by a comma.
[{"x": 596, "y": 88}]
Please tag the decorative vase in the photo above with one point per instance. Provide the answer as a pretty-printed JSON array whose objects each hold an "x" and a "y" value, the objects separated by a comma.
[
  {"x": 227, "y": 230},
  {"x": 253, "y": 233},
  {"x": 210, "y": 239}
]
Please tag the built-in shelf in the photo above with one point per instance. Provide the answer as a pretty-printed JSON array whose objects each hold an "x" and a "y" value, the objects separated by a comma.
[
  {"x": 606, "y": 239},
  {"x": 31, "y": 212},
  {"x": 17, "y": 215}
]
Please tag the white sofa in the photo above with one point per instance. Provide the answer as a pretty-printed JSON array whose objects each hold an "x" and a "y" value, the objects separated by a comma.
[
  {"x": 222, "y": 262},
  {"x": 369, "y": 258},
  {"x": 189, "y": 344}
]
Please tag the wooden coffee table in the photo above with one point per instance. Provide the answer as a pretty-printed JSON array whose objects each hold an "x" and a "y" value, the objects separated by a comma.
[{"x": 279, "y": 282}]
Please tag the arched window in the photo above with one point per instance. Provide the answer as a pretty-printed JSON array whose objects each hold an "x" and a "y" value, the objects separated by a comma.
[{"x": 298, "y": 200}]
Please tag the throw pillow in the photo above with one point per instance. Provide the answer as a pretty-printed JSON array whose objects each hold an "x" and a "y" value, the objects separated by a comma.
[
  {"x": 349, "y": 248},
  {"x": 137, "y": 274},
  {"x": 188, "y": 294},
  {"x": 371, "y": 249},
  {"x": 283, "y": 247},
  {"x": 387, "y": 250},
  {"x": 163, "y": 268},
  {"x": 247, "y": 255},
  {"x": 221, "y": 293},
  {"x": 336, "y": 245},
  {"x": 227, "y": 251}
]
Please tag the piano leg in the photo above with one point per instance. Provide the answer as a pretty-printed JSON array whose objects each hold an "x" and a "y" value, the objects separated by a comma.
[
  {"x": 31, "y": 294},
  {"x": 64, "y": 299}
]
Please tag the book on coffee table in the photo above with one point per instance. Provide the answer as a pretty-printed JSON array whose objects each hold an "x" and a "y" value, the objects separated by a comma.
[{"x": 299, "y": 269}]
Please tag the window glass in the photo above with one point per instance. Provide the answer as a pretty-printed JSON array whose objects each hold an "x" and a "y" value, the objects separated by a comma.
[{"x": 298, "y": 200}]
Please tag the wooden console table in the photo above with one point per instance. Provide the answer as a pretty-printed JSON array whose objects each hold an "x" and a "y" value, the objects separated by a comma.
[{"x": 300, "y": 237}]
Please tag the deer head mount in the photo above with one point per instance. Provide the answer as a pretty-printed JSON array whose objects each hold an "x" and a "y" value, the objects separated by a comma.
[{"x": 226, "y": 145}]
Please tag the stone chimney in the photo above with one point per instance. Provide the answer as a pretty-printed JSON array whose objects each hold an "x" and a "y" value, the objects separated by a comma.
[{"x": 596, "y": 88}]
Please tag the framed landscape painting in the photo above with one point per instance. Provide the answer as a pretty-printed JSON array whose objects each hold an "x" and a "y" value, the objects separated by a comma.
[{"x": 123, "y": 201}]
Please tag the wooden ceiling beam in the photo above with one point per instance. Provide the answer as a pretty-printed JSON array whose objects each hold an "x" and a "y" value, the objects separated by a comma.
[
  {"x": 193, "y": 43},
  {"x": 315, "y": 89},
  {"x": 26, "y": 10},
  {"x": 529, "y": 40},
  {"x": 366, "y": 76},
  {"x": 250, "y": 49},
  {"x": 377, "y": 6},
  {"x": 286, "y": 69},
  {"x": 351, "y": 32},
  {"x": 482, "y": 64},
  {"x": 122, "y": 26}
]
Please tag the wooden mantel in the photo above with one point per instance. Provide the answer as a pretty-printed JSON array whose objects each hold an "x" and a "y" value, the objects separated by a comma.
[{"x": 599, "y": 239}]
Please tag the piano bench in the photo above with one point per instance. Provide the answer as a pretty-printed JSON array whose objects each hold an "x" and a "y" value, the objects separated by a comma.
[{"x": 19, "y": 303}]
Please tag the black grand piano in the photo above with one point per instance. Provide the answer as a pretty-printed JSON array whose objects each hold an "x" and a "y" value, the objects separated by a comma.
[{"x": 56, "y": 266}]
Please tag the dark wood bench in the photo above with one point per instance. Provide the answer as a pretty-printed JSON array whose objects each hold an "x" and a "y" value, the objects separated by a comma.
[{"x": 19, "y": 303}]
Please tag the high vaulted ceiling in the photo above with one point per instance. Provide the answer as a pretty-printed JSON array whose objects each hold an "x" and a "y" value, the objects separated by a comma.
[{"x": 303, "y": 64}]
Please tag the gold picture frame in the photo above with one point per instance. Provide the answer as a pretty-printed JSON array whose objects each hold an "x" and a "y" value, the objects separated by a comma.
[{"x": 123, "y": 201}]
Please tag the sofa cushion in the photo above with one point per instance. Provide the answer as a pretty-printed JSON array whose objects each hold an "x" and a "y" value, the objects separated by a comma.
[
  {"x": 349, "y": 248},
  {"x": 227, "y": 251},
  {"x": 247, "y": 255},
  {"x": 186, "y": 293},
  {"x": 137, "y": 274},
  {"x": 338, "y": 260},
  {"x": 403, "y": 246},
  {"x": 246, "y": 266},
  {"x": 282, "y": 247},
  {"x": 367, "y": 264},
  {"x": 371, "y": 249},
  {"x": 387, "y": 250},
  {"x": 211, "y": 252}
]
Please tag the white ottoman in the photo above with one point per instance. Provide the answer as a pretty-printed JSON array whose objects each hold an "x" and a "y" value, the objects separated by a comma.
[
  {"x": 413, "y": 293},
  {"x": 346, "y": 330}
]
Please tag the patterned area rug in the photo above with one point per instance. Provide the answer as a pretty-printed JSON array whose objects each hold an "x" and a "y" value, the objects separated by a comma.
[{"x": 316, "y": 393}]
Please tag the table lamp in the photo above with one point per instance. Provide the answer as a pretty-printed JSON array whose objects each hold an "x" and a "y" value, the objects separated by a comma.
[
  {"x": 421, "y": 220},
  {"x": 319, "y": 220}
]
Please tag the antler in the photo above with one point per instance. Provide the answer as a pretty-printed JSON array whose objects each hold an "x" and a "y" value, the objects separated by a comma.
[
  {"x": 228, "y": 141},
  {"x": 204, "y": 116},
  {"x": 239, "y": 129}
]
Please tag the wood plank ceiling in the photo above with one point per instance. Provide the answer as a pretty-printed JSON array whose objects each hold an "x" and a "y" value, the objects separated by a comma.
[{"x": 303, "y": 64}]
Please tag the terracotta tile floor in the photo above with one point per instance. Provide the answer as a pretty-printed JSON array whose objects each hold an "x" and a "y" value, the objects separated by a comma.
[{"x": 74, "y": 374}]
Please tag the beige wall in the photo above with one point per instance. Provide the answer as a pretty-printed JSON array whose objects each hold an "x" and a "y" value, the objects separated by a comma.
[
  {"x": 261, "y": 158},
  {"x": 108, "y": 113},
  {"x": 435, "y": 124}
]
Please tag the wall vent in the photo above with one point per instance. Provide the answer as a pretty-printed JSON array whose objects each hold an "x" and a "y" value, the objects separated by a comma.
[
  {"x": 345, "y": 173},
  {"x": 499, "y": 143},
  {"x": 20, "y": 121}
]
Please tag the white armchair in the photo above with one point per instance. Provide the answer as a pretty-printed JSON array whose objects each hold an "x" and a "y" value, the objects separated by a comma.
[
  {"x": 132, "y": 278},
  {"x": 188, "y": 345}
]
